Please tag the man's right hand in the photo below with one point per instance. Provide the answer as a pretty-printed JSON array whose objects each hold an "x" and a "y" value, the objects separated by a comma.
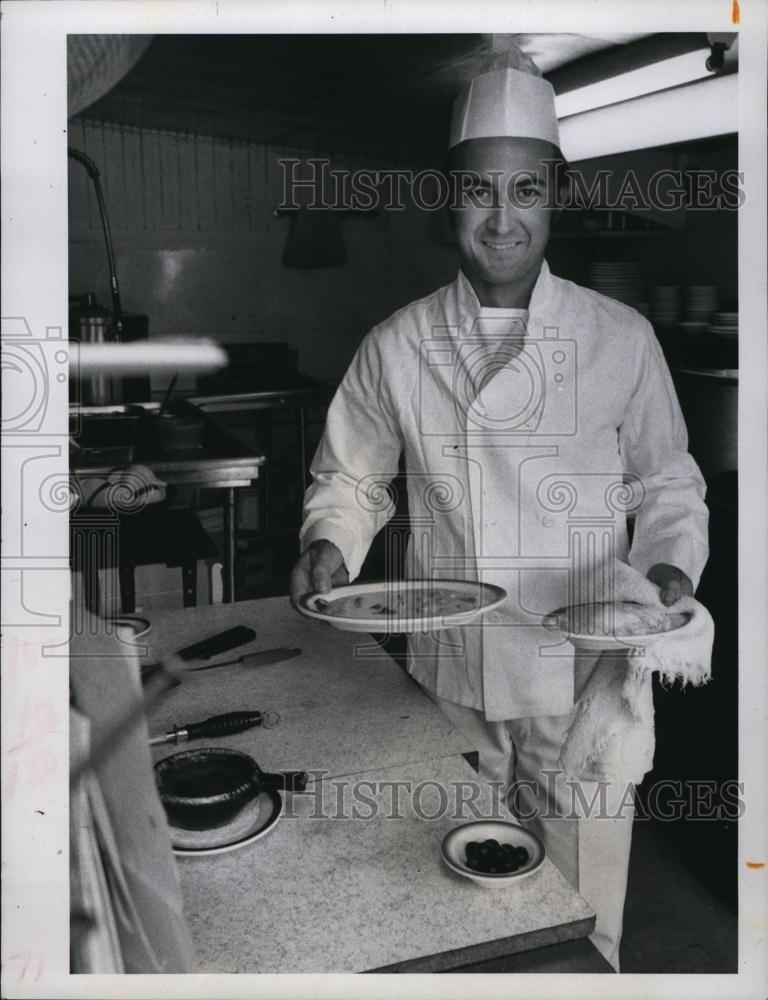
[{"x": 318, "y": 569}]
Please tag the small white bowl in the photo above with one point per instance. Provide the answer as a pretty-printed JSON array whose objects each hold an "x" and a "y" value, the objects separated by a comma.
[{"x": 455, "y": 847}]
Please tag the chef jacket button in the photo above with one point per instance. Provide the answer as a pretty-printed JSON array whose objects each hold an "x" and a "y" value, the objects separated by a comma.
[{"x": 548, "y": 521}]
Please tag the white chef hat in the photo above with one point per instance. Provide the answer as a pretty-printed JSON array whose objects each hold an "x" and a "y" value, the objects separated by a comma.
[{"x": 505, "y": 102}]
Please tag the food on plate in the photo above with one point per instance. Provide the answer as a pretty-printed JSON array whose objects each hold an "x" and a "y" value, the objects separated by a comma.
[
  {"x": 426, "y": 602},
  {"x": 489, "y": 857},
  {"x": 617, "y": 618}
]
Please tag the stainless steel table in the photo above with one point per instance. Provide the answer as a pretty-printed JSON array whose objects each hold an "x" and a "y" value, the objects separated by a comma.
[
  {"x": 298, "y": 398},
  {"x": 238, "y": 468}
]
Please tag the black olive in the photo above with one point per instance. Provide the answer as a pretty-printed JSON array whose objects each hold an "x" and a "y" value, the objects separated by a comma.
[{"x": 521, "y": 855}]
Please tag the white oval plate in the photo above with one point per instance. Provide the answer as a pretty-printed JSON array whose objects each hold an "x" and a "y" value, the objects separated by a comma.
[
  {"x": 604, "y": 641},
  {"x": 489, "y": 596},
  {"x": 455, "y": 845}
]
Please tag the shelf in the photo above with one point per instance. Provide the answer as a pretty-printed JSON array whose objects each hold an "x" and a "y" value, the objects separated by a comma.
[{"x": 718, "y": 374}]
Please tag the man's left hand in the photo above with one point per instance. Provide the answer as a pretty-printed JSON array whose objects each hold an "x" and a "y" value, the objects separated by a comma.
[{"x": 672, "y": 582}]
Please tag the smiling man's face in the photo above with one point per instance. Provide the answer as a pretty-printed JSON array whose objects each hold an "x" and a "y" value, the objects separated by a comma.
[{"x": 503, "y": 225}]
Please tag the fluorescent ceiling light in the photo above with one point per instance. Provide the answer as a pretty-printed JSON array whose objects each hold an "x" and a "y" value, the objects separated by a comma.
[
  {"x": 637, "y": 82},
  {"x": 695, "y": 111}
]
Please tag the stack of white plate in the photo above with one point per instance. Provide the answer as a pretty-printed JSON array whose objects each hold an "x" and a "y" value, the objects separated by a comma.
[
  {"x": 665, "y": 305},
  {"x": 725, "y": 324},
  {"x": 700, "y": 302},
  {"x": 618, "y": 280}
]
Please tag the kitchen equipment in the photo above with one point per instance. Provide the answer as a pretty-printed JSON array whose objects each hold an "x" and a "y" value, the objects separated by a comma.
[
  {"x": 132, "y": 388},
  {"x": 93, "y": 173},
  {"x": 217, "y": 725},
  {"x": 454, "y": 850},
  {"x": 222, "y": 457},
  {"x": 175, "y": 431},
  {"x": 96, "y": 325},
  {"x": 172, "y": 432},
  {"x": 222, "y": 642},
  {"x": 91, "y": 323},
  {"x": 594, "y": 626},
  {"x": 261, "y": 659},
  {"x": 205, "y": 788},
  {"x": 399, "y": 601}
]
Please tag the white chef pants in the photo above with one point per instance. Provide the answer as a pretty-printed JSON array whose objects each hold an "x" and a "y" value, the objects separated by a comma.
[{"x": 586, "y": 825}]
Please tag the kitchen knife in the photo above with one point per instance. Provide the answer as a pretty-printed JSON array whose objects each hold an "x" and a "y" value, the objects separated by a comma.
[
  {"x": 217, "y": 725},
  {"x": 260, "y": 659},
  {"x": 222, "y": 642}
]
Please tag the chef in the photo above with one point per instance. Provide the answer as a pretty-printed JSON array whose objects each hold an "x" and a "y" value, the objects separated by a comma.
[{"x": 537, "y": 419}]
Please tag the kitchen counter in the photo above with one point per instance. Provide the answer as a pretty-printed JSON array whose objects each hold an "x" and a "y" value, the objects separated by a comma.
[
  {"x": 345, "y": 706},
  {"x": 325, "y": 891}
]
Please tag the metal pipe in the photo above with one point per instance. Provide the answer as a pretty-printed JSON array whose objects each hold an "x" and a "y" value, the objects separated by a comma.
[{"x": 93, "y": 173}]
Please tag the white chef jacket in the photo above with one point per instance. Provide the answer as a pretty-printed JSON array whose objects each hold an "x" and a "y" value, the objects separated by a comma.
[{"x": 528, "y": 486}]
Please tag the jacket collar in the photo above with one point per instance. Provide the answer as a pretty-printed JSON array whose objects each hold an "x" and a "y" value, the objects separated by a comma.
[{"x": 540, "y": 307}]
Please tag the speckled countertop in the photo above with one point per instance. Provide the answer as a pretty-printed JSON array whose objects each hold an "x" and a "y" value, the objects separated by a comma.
[
  {"x": 342, "y": 883},
  {"x": 341, "y": 710}
]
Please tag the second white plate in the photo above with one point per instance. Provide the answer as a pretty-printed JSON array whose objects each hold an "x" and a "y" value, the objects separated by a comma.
[{"x": 602, "y": 640}]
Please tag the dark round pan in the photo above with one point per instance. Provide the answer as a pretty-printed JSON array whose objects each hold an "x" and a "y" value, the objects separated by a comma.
[{"x": 206, "y": 788}]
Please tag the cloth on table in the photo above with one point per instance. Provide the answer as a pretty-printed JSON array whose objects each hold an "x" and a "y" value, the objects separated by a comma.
[
  {"x": 615, "y": 707},
  {"x": 126, "y": 489}
]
